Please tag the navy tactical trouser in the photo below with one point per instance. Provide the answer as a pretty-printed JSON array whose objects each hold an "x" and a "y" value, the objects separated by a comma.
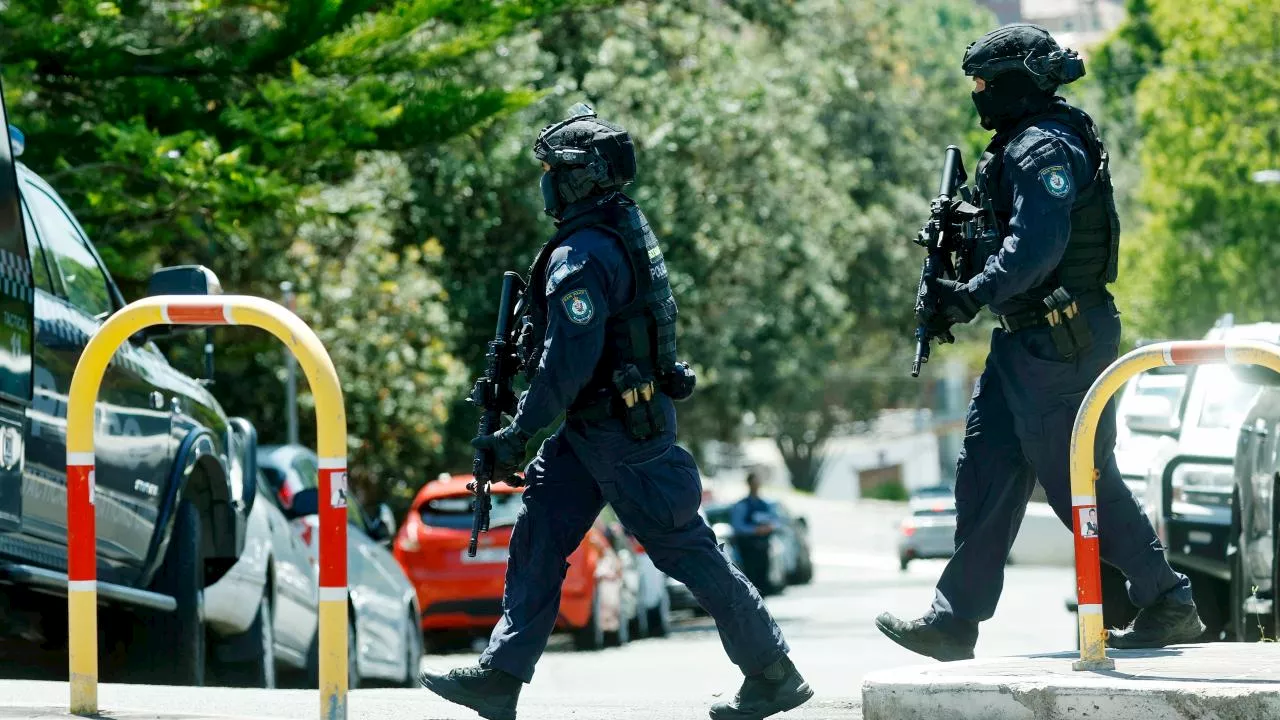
[
  {"x": 1019, "y": 430},
  {"x": 655, "y": 490}
]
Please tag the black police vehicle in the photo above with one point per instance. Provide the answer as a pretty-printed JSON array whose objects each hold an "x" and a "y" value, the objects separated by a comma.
[{"x": 170, "y": 520}]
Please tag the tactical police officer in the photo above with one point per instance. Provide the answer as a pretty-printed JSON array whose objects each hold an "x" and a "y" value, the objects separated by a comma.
[
  {"x": 1048, "y": 238},
  {"x": 599, "y": 346}
]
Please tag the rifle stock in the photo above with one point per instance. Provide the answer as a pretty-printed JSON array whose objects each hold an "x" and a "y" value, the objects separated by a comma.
[
  {"x": 937, "y": 262},
  {"x": 493, "y": 393}
]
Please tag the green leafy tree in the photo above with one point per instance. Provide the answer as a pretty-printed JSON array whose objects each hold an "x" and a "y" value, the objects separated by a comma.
[
  {"x": 218, "y": 132},
  {"x": 784, "y": 171},
  {"x": 1207, "y": 114}
]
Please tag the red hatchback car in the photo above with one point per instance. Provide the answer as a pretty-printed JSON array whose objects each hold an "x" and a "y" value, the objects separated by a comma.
[{"x": 463, "y": 594}]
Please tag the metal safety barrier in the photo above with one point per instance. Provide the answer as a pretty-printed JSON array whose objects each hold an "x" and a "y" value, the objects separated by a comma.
[
  {"x": 1084, "y": 475},
  {"x": 331, "y": 421}
]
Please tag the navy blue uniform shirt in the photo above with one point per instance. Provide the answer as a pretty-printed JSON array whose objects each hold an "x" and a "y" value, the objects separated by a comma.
[
  {"x": 1045, "y": 167},
  {"x": 588, "y": 279}
]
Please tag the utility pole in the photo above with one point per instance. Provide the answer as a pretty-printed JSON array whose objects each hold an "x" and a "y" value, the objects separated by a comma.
[{"x": 291, "y": 371}]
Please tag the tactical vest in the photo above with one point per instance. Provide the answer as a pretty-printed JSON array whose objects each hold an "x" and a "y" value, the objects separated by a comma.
[
  {"x": 643, "y": 332},
  {"x": 1091, "y": 256}
]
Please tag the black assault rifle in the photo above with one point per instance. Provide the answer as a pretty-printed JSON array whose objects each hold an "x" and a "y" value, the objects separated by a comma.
[
  {"x": 949, "y": 250},
  {"x": 494, "y": 395}
]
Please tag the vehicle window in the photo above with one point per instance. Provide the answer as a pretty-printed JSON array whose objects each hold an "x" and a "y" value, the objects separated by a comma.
[
  {"x": 1172, "y": 387},
  {"x": 308, "y": 473},
  {"x": 268, "y": 488},
  {"x": 355, "y": 514},
  {"x": 1226, "y": 399},
  {"x": 272, "y": 477},
  {"x": 35, "y": 251},
  {"x": 455, "y": 511},
  {"x": 83, "y": 281}
]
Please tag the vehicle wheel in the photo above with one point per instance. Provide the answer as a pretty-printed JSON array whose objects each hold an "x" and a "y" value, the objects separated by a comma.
[
  {"x": 902, "y": 563},
  {"x": 413, "y": 657},
  {"x": 660, "y": 617},
  {"x": 1244, "y": 625},
  {"x": 249, "y": 660},
  {"x": 621, "y": 636},
  {"x": 803, "y": 574},
  {"x": 177, "y": 639},
  {"x": 1275, "y": 557},
  {"x": 353, "y": 656},
  {"x": 640, "y": 623},
  {"x": 590, "y": 637}
]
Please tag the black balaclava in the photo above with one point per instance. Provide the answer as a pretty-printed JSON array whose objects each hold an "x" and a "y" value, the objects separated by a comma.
[{"x": 1009, "y": 97}]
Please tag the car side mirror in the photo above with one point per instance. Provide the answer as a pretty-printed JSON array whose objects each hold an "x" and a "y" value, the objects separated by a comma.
[
  {"x": 304, "y": 503},
  {"x": 184, "y": 280},
  {"x": 383, "y": 527}
]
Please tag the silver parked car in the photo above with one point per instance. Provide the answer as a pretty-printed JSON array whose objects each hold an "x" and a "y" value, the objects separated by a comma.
[
  {"x": 385, "y": 641},
  {"x": 262, "y": 613},
  {"x": 929, "y": 530}
]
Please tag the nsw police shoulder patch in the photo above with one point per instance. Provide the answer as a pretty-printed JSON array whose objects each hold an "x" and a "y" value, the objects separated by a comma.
[
  {"x": 577, "y": 305},
  {"x": 1056, "y": 180}
]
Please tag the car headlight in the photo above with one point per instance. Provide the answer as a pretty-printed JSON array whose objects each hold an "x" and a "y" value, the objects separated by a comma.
[{"x": 1203, "y": 484}]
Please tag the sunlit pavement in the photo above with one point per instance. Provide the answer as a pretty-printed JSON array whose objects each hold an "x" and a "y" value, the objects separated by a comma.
[{"x": 828, "y": 624}]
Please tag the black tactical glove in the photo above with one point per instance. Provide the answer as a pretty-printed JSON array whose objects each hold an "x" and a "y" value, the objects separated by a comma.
[
  {"x": 939, "y": 329},
  {"x": 508, "y": 448},
  {"x": 956, "y": 303}
]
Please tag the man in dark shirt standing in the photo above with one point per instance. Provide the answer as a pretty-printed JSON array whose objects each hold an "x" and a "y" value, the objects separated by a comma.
[{"x": 754, "y": 521}]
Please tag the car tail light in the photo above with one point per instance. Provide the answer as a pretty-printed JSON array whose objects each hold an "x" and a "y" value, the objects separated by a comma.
[{"x": 908, "y": 528}]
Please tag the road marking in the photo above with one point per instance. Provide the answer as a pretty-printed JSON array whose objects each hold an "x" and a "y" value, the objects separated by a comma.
[
  {"x": 333, "y": 594},
  {"x": 82, "y": 585}
]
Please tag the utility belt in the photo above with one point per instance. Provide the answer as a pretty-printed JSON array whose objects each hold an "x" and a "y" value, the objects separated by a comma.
[
  {"x": 1065, "y": 318},
  {"x": 631, "y": 400}
]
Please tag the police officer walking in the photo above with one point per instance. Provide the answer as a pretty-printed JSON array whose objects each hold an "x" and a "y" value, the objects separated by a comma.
[
  {"x": 599, "y": 345},
  {"x": 1048, "y": 248}
]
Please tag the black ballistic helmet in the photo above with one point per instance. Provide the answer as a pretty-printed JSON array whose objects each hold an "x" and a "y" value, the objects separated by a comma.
[
  {"x": 1022, "y": 66},
  {"x": 588, "y": 156},
  {"x": 1025, "y": 48}
]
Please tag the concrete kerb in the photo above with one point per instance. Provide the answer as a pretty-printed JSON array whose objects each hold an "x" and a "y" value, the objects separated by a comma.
[
  {"x": 1221, "y": 681},
  {"x": 59, "y": 713}
]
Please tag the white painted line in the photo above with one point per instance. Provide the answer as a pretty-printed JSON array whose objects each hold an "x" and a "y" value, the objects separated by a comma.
[
  {"x": 1168, "y": 355},
  {"x": 80, "y": 459},
  {"x": 1083, "y": 500},
  {"x": 1090, "y": 610},
  {"x": 333, "y": 594},
  {"x": 82, "y": 585},
  {"x": 333, "y": 463},
  {"x": 226, "y": 313},
  {"x": 164, "y": 313}
]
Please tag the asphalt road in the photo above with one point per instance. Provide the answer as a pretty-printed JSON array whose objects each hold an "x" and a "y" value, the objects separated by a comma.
[{"x": 828, "y": 624}]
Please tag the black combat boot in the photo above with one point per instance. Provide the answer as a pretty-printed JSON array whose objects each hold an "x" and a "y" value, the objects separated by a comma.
[
  {"x": 1167, "y": 622},
  {"x": 492, "y": 693},
  {"x": 775, "y": 689},
  {"x": 928, "y": 638}
]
